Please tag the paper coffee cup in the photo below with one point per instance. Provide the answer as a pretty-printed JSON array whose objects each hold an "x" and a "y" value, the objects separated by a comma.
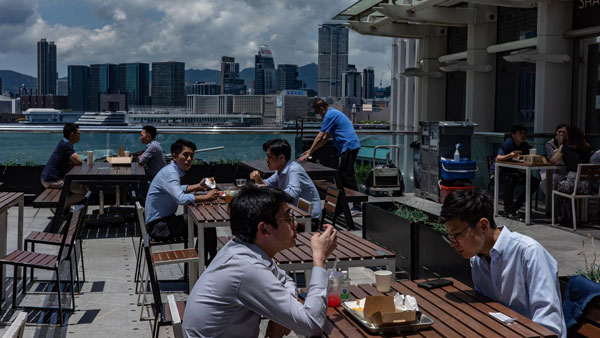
[
  {"x": 90, "y": 157},
  {"x": 126, "y": 153},
  {"x": 383, "y": 280},
  {"x": 532, "y": 151}
]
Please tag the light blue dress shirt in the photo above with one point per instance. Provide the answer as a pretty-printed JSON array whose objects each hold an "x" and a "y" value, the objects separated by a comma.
[
  {"x": 523, "y": 276},
  {"x": 294, "y": 180},
  {"x": 241, "y": 284},
  {"x": 166, "y": 193}
]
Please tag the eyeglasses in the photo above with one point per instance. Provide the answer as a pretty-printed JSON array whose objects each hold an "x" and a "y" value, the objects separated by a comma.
[
  {"x": 454, "y": 238},
  {"x": 290, "y": 219}
]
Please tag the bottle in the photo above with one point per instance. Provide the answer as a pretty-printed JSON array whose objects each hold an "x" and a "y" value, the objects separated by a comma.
[
  {"x": 345, "y": 286},
  {"x": 457, "y": 153}
]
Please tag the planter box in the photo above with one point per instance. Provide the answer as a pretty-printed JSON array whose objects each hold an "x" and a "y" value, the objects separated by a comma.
[
  {"x": 436, "y": 258},
  {"x": 223, "y": 173},
  {"x": 392, "y": 232},
  {"x": 24, "y": 179}
]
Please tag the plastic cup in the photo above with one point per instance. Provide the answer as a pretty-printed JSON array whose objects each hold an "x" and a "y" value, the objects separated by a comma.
[
  {"x": 532, "y": 151},
  {"x": 240, "y": 182},
  {"x": 229, "y": 195},
  {"x": 126, "y": 153},
  {"x": 334, "y": 289},
  {"x": 383, "y": 280},
  {"x": 90, "y": 157}
]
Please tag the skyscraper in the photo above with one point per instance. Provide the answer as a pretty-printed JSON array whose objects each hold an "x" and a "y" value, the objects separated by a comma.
[
  {"x": 368, "y": 83},
  {"x": 288, "y": 77},
  {"x": 79, "y": 87},
  {"x": 167, "y": 84},
  {"x": 333, "y": 58},
  {"x": 265, "y": 77},
  {"x": 104, "y": 79},
  {"x": 133, "y": 82},
  {"x": 230, "y": 77},
  {"x": 46, "y": 67},
  {"x": 351, "y": 82}
]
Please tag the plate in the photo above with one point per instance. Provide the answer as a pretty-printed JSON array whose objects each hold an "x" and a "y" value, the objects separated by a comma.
[
  {"x": 422, "y": 322},
  {"x": 210, "y": 182}
]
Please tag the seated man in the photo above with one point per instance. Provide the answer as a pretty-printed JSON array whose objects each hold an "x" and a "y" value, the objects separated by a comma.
[
  {"x": 245, "y": 283},
  {"x": 62, "y": 159},
  {"x": 166, "y": 193},
  {"x": 289, "y": 176},
  {"x": 512, "y": 148},
  {"x": 153, "y": 158},
  {"x": 506, "y": 266}
]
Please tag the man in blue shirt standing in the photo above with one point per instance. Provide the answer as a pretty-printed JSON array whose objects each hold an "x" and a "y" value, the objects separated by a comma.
[
  {"x": 336, "y": 125},
  {"x": 62, "y": 159},
  {"x": 153, "y": 158},
  {"x": 289, "y": 177},
  {"x": 508, "y": 267},
  {"x": 166, "y": 193}
]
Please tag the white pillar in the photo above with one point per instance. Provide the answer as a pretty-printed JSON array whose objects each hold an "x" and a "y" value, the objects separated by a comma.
[
  {"x": 395, "y": 91},
  {"x": 432, "y": 94},
  {"x": 411, "y": 120}
]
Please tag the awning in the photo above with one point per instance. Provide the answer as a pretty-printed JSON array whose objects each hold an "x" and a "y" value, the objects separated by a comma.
[{"x": 359, "y": 9}]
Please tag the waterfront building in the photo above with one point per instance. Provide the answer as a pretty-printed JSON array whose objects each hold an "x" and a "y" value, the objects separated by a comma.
[
  {"x": 62, "y": 87},
  {"x": 168, "y": 79},
  {"x": 113, "y": 102},
  {"x": 292, "y": 105},
  {"x": 78, "y": 82},
  {"x": 7, "y": 105},
  {"x": 265, "y": 76},
  {"x": 187, "y": 119},
  {"x": 351, "y": 83},
  {"x": 230, "y": 77},
  {"x": 270, "y": 110},
  {"x": 210, "y": 104},
  {"x": 44, "y": 101},
  {"x": 1, "y": 86},
  {"x": 287, "y": 76},
  {"x": 134, "y": 83},
  {"x": 46, "y": 67},
  {"x": 368, "y": 83},
  {"x": 248, "y": 104},
  {"x": 50, "y": 116},
  {"x": 104, "y": 79},
  {"x": 103, "y": 118},
  {"x": 203, "y": 88},
  {"x": 333, "y": 59}
]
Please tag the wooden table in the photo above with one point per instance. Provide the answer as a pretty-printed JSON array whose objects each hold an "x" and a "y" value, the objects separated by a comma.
[
  {"x": 97, "y": 173},
  {"x": 457, "y": 311},
  {"x": 528, "y": 169},
  {"x": 315, "y": 171},
  {"x": 211, "y": 215},
  {"x": 8, "y": 200}
]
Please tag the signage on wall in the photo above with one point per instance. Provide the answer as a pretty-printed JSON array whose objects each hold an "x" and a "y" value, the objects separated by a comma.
[{"x": 586, "y": 13}]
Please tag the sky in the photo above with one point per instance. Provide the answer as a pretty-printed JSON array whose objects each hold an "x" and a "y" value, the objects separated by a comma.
[{"x": 197, "y": 32}]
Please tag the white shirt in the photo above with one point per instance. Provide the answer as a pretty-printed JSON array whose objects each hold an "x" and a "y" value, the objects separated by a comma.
[{"x": 523, "y": 276}]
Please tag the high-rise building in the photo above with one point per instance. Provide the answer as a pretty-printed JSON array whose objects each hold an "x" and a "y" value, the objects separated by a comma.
[
  {"x": 351, "y": 82},
  {"x": 79, "y": 87},
  {"x": 104, "y": 79},
  {"x": 288, "y": 77},
  {"x": 333, "y": 58},
  {"x": 168, "y": 79},
  {"x": 230, "y": 77},
  {"x": 368, "y": 83},
  {"x": 0, "y": 86},
  {"x": 46, "y": 67},
  {"x": 62, "y": 87},
  {"x": 265, "y": 76},
  {"x": 134, "y": 82}
]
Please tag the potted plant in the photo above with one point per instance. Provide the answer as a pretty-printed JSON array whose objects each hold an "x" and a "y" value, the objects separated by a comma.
[{"x": 23, "y": 177}]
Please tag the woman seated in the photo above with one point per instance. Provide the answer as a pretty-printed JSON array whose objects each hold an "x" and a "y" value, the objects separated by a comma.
[
  {"x": 560, "y": 138},
  {"x": 576, "y": 151}
]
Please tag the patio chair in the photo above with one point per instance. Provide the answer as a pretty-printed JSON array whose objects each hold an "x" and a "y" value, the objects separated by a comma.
[
  {"x": 175, "y": 318},
  {"x": 28, "y": 259},
  {"x": 585, "y": 172},
  {"x": 17, "y": 328},
  {"x": 162, "y": 313},
  {"x": 330, "y": 206},
  {"x": 307, "y": 207}
]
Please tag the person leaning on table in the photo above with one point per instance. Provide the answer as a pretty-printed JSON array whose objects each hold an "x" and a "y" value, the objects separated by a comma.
[
  {"x": 508, "y": 267},
  {"x": 244, "y": 283}
]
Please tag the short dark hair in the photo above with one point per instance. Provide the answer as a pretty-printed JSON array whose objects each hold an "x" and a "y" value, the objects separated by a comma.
[
  {"x": 69, "y": 128},
  {"x": 253, "y": 205},
  {"x": 177, "y": 146},
  {"x": 150, "y": 130},
  {"x": 278, "y": 147},
  {"x": 517, "y": 128},
  {"x": 469, "y": 206},
  {"x": 320, "y": 103}
]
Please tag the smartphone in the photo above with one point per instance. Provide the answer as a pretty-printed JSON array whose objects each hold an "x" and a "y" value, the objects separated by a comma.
[
  {"x": 302, "y": 295},
  {"x": 435, "y": 283}
]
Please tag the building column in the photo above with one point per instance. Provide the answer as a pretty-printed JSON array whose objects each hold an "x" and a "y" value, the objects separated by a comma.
[
  {"x": 553, "y": 81},
  {"x": 396, "y": 93},
  {"x": 432, "y": 90},
  {"x": 411, "y": 120},
  {"x": 481, "y": 86}
]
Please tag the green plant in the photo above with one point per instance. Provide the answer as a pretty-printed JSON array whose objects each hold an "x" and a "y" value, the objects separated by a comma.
[
  {"x": 361, "y": 172},
  {"x": 592, "y": 271},
  {"x": 418, "y": 216}
]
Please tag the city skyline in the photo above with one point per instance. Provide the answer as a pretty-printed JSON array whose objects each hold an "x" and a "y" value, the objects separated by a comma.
[{"x": 97, "y": 32}]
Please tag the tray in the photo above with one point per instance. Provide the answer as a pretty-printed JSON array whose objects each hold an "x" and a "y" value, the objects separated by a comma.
[
  {"x": 118, "y": 160},
  {"x": 422, "y": 322}
]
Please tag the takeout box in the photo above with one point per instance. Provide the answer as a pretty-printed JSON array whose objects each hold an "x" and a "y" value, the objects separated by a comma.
[
  {"x": 381, "y": 311},
  {"x": 534, "y": 159},
  {"x": 119, "y": 160}
]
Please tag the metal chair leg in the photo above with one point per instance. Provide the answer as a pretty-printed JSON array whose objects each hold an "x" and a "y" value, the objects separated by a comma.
[
  {"x": 81, "y": 254},
  {"x": 14, "y": 295},
  {"x": 553, "y": 208},
  {"x": 32, "y": 269},
  {"x": 24, "y": 280},
  {"x": 573, "y": 213},
  {"x": 72, "y": 283}
]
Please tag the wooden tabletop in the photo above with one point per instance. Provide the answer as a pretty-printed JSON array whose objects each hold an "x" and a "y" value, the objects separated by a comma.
[
  {"x": 523, "y": 164},
  {"x": 457, "y": 311},
  {"x": 218, "y": 211},
  {"x": 106, "y": 171},
  {"x": 310, "y": 168},
  {"x": 8, "y": 199}
]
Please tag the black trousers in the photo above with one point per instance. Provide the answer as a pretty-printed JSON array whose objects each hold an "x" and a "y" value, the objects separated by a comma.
[
  {"x": 177, "y": 227},
  {"x": 347, "y": 169},
  {"x": 510, "y": 180}
]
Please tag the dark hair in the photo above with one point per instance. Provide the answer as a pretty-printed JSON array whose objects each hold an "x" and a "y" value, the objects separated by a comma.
[
  {"x": 253, "y": 205},
  {"x": 576, "y": 139},
  {"x": 517, "y": 128},
  {"x": 69, "y": 128},
  {"x": 562, "y": 125},
  {"x": 278, "y": 147},
  {"x": 177, "y": 146},
  {"x": 150, "y": 130},
  {"x": 320, "y": 103},
  {"x": 469, "y": 206}
]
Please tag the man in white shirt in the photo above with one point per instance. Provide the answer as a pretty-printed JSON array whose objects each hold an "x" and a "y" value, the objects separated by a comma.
[{"x": 506, "y": 266}]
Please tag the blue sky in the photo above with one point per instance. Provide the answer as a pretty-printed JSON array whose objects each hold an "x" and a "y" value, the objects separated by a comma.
[{"x": 197, "y": 32}]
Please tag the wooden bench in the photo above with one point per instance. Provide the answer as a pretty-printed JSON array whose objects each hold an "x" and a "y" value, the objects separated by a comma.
[
  {"x": 589, "y": 323},
  {"x": 49, "y": 198},
  {"x": 351, "y": 195}
]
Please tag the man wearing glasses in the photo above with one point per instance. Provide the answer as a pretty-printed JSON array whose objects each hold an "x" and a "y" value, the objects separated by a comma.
[
  {"x": 244, "y": 282},
  {"x": 166, "y": 193},
  {"x": 506, "y": 266}
]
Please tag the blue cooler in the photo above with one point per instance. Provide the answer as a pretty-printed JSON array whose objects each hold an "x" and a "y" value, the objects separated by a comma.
[{"x": 463, "y": 169}]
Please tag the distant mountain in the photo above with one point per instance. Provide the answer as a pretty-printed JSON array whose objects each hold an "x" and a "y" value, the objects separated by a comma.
[
  {"x": 11, "y": 81},
  {"x": 248, "y": 76},
  {"x": 308, "y": 73}
]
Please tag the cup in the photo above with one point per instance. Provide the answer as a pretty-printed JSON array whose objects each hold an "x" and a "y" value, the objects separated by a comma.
[
  {"x": 90, "y": 157},
  {"x": 240, "y": 182},
  {"x": 126, "y": 153},
  {"x": 229, "y": 194},
  {"x": 334, "y": 289},
  {"x": 383, "y": 280},
  {"x": 532, "y": 151}
]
